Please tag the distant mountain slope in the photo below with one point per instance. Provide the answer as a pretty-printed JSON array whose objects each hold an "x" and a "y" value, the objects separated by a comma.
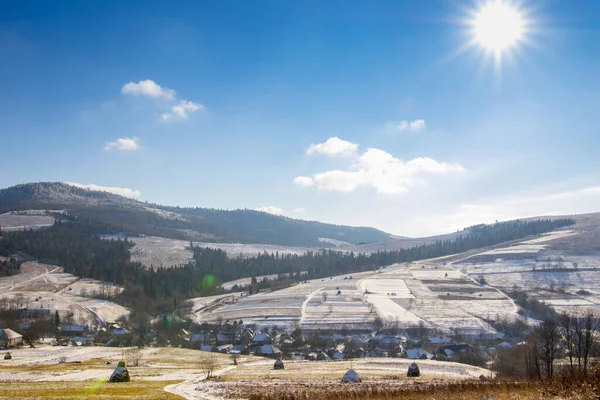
[
  {"x": 113, "y": 213},
  {"x": 587, "y": 241}
]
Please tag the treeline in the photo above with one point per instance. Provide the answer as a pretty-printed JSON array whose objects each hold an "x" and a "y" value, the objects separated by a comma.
[
  {"x": 75, "y": 245},
  {"x": 9, "y": 267},
  {"x": 572, "y": 338},
  {"x": 318, "y": 264},
  {"x": 475, "y": 237}
]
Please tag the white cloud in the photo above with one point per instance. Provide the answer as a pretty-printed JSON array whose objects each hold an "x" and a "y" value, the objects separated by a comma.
[
  {"x": 124, "y": 144},
  {"x": 127, "y": 192},
  {"x": 303, "y": 181},
  {"x": 300, "y": 210},
  {"x": 181, "y": 110},
  {"x": 380, "y": 170},
  {"x": 270, "y": 210},
  {"x": 148, "y": 88},
  {"x": 408, "y": 126},
  {"x": 334, "y": 146}
]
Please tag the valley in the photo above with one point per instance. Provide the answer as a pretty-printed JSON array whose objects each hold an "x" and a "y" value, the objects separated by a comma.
[{"x": 89, "y": 290}]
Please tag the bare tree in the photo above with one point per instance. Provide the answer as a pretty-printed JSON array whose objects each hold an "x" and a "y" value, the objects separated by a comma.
[
  {"x": 324, "y": 295},
  {"x": 567, "y": 325},
  {"x": 208, "y": 365},
  {"x": 546, "y": 339},
  {"x": 585, "y": 338}
]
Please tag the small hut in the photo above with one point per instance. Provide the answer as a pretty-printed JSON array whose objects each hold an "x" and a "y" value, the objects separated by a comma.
[
  {"x": 278, "y": 364},
  {"x": 120, "y": 374},
  {"x": 351, "y": 376},
  {"x": 413, "y": 371}
]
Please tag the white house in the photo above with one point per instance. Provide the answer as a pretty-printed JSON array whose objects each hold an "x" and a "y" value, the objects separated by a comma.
[{"x": 10, "y": 338}]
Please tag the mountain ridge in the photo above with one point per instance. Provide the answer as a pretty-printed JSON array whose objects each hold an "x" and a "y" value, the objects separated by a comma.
[{"x": 123, "y": 214}]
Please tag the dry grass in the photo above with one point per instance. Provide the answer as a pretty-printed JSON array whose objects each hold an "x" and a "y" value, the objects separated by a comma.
[
  {"x": 585, "y": 388},
  {"x": 87, "y": 390}
]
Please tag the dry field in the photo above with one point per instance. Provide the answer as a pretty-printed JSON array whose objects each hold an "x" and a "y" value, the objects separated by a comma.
[
  {"x": 583, "y": 389},
  {"x": 81, "y": 372}
]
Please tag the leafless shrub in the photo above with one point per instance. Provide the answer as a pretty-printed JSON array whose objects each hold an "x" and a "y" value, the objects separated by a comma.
[
  {"x": 134, "y": 357},
  {"x": 208, "y": 365}
]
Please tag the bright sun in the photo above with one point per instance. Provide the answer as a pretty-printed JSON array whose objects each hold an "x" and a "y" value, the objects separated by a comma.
[{"x": 497, "y": 26}]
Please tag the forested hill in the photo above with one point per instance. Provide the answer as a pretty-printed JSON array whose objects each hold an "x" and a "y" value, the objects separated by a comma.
[{"x": 118, "y": 214}]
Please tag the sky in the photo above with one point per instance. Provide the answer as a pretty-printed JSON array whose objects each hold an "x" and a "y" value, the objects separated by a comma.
[{"x": 402, "y": 115}]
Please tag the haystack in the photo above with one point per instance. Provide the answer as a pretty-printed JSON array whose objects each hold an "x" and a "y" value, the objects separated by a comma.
[
  {"x": 413, "y": 371},
  {"x": 120, "y": 374},
  {"x": 351, "y": 376},
  {"x": 278, "y": 364},
  {"x": 8, "y": 356}
]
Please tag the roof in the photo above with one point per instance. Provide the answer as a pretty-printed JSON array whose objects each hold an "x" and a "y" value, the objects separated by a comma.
[
  {"x": 10, "y": 334},
  {"x": 417, "y": 353},
  {"x": 261, "y": 337},
  {"x": 455, "y": 347},
  {"x": 439, "y": 340},
  {"x": 198, "y": 337},
  {"x": 71, "y": 328},
  {"x": 269, "y": 349}
]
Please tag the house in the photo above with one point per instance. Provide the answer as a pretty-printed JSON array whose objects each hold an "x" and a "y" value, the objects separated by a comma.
[
  {"x": 439, "y": 340},
  {"x": 224, "y": 338},
  {"x": 261, "y": 338},
  {"x": 226, "y": 348},
  {"x": 10, "y": 338},
  {"x": 454, "y": 348},
  {"x": 336, "y": 355},
  {"x": 81, "y": 341},
  {"x": 239, "y": 349},
  {"x": 505, "y": 345},
  {"x": 418, "y": 354},
  {"x": 268, "y": 350},
  {"x": 118, "y": 330},
  {"x": 201, "y": 337},
  {"x": 386, "y": 342},
  {"x": 71, "y": 330}
]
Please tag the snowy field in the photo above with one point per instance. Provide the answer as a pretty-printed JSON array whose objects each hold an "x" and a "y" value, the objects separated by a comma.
[
  {"x": 406, "y": 295},
  {"x": 43, "y": 286},
  {"x": 531, "y": 246},
  {"x": 159, "y": 251},
  {"x": 20, "y": 220},
  {"x": 564, "y": 281}
]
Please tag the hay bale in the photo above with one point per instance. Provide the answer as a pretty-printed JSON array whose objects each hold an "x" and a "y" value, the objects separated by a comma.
[
  {"x": 8, "y": 356},
  {"x": 120, "y": 374},
  {"x": 351, "y": 376},
  {"x": 413, "y": 371},
  {"x": 278, "y": 364}
]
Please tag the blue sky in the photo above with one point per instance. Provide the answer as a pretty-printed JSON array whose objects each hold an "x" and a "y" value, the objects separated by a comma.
[{"x": 351, "y": 112}]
